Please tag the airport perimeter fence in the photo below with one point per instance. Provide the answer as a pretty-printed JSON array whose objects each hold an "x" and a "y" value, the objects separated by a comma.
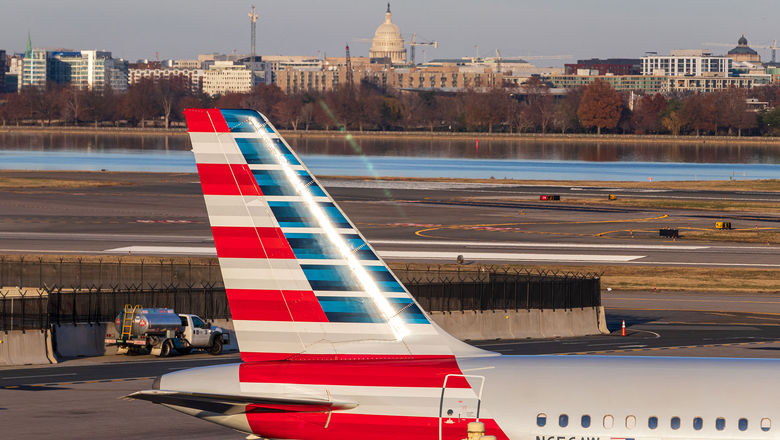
[{"x": 38, "y": 293}]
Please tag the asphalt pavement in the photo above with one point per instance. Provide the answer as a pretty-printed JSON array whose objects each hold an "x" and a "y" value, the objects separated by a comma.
[{"x": 164, "y": 214}]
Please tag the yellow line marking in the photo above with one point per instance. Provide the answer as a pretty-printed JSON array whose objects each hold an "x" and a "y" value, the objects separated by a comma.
[
  {"x": 684, "y": 310},
  {"x": 421, "y": 232}
]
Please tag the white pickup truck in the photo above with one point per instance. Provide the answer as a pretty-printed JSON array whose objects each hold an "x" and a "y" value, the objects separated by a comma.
[{"x": 162, "y": 331}]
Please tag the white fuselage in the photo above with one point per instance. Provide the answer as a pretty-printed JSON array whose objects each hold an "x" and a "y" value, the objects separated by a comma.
[{"x": 620, "y": 397}]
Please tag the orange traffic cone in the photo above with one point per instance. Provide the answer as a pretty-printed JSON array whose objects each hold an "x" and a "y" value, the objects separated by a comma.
[{"x": 623, "y": 328}]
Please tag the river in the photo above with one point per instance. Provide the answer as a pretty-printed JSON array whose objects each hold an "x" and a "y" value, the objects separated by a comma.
[{"x": 504, "y": 158}]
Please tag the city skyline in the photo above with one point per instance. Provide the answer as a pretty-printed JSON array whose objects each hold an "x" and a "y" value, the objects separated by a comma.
[{"x": 597, "y": 28}]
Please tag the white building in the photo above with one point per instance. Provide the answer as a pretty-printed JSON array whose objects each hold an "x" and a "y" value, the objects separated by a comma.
[
  {"x": 686, "y": 63},
  {"x": 155, "y": 72},
  {"x": 388, "y": 43},
  {"x": 224, "y": 77}
]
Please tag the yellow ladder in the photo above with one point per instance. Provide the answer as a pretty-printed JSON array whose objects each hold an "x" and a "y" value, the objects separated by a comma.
[{"x": 127, "y": 320}]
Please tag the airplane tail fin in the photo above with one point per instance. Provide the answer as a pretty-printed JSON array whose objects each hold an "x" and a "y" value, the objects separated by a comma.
[{"x": 301, "y": 281}]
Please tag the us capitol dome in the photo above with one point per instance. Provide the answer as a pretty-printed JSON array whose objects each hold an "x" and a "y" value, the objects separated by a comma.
[{"x": 388, "y": 43}]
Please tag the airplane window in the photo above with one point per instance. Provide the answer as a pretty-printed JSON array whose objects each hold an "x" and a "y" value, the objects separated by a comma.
[
  {"x": 541, "y": 419},
  {"x": 609, "y": 421},
  {"x": 675, "y": 423},
  {"x": 743, "y": 424},
  {"x": 766, "y": 424},
  {"x": 652, "y": 422},
  {"x": 697, "y": 423},
  {"x": 720, "y": 423},
  {"x": 586, "y": 421},
  {"x": 563, "y": 420},
  {"x": 630, "y": 422}
]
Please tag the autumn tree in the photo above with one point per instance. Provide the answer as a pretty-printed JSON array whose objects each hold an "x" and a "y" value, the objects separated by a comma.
[
  {"x": 263, "y": 98},
  {"x": 601, "y": 106},
  {"x": 485, "y": 109},
  {"x": 646, "y": 117},
  {"x": 565, "y": 116},
  {"x": 698, "y": 113},
  {"x": 288, "y": 110}
]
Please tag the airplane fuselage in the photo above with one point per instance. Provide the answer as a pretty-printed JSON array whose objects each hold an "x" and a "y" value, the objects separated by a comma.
[{"x": 522, "y": 397}]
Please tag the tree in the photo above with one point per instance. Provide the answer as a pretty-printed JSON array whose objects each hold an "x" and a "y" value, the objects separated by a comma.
[
  {"x": 289, "y": 111},
  {"x": 139, "y": 102},
  {"x": 698, "y": 112},
  {"x": 74, "y": 104},
  {"x": 601, "y": 106},
  {"x": 263, "y": 98},
  {"x": 169, "y": 92},
  {"x": 485, "y": 109},
  {"x": 565, "y": 116},
  {"x": 646, "y": 117},
  {"x": 770, "y": 121},
  {"x": 540, "y": 108}
]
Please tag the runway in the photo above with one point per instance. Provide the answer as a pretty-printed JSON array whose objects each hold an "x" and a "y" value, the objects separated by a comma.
[{"x": 164, "y": 214}]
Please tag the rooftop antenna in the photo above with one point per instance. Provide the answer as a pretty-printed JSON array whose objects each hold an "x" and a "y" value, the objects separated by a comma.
[{"x": 253, "y": 22}]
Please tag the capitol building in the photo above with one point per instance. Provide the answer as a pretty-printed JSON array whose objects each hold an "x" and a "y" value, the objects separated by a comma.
[{"x": 387, "y": 46}]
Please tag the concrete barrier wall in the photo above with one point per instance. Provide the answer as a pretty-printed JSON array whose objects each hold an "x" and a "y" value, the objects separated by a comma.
[
  {"x": 80, "y": 340},
  {"x": 31, "y": 347},
  {"x": 534, "y": 323}
]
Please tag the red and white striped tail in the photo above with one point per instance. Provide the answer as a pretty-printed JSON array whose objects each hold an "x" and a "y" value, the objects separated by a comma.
[{"x": 301, "y": 281}]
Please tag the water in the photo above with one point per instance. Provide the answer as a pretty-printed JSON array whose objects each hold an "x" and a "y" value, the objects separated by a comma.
[{"x": 532, "y": 160}]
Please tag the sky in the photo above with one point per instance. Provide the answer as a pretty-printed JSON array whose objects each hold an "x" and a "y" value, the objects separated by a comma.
[{"x": 178, "y": 29}]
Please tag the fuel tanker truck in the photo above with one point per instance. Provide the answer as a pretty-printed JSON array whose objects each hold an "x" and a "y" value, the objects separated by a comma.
[{"x": 163, "y": 331}]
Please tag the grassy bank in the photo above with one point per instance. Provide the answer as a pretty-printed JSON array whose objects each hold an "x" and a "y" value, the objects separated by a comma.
[{"x": 666, "y": 278}]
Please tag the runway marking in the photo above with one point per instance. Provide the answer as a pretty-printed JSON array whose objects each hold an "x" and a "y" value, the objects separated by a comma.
[
  {"x": 420, "y": 255},
  {"x": 550, "y": 245},
  {"x": 421, "y": 232},
  {"x": 696, "y": 300},
  {"x": 177, "y": 250},
  {"x": 80, "y": 382},
  {"x": 679, "y": 263},
  {"x": 677, "y": 347},
  {"x": 687, "y": 310}
]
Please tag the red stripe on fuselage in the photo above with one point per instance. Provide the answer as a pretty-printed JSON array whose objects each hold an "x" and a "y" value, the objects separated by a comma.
[
  {"x": 379, "y": 373},
  {"x": 341, "y": 426},
  {"x": 246, "y": 242},
  {"x": 275, "y": 305},
  {"x": 200, "y": 120},
  {"x": 227, "y": 180}
]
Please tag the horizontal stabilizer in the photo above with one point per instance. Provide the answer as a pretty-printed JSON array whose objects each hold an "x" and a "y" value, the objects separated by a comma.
[{"x": 238, "y": 404}]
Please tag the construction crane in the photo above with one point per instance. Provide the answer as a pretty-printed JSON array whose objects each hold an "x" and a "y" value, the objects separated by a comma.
[
  {"x": 414, "y": 43},
  {"x": 772, "y": 47}
]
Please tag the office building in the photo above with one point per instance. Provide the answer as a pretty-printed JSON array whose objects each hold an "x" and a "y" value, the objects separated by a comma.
[
  {"x": 686, "y": 63},
  {"x": 225, "y": 77}
]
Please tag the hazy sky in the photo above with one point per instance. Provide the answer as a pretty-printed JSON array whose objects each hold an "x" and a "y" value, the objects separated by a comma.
[{"x": 582, "y": 28}]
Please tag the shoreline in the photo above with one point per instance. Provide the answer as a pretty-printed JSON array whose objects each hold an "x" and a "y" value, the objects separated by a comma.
[{"x": 424, "y": 135}]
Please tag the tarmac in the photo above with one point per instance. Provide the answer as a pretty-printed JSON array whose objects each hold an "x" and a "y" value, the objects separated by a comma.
[
  {"x": 164, "y": 214},
  {"x": 82, "y": 397}
]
